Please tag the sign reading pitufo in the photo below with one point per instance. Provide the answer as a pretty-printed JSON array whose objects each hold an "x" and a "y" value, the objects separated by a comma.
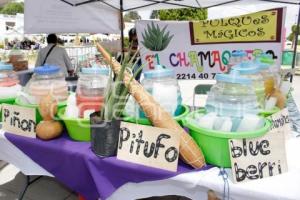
[
  {"x": 19, "y": 120},
  {"x": 257, "y": 158},
  {"x": 200, "y": 50},
  {"x": 150, "y": 146}
]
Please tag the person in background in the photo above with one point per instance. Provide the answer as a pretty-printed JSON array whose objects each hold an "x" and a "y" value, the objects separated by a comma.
[
  {"x": 133, "y": 48},
  {"x": 54, "y": 55},
  {"x": 133, "y": 42}
]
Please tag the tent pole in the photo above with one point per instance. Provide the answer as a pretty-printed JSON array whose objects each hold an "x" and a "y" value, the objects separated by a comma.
[
  {"x": 296, "y": 43},
  {"x": 122, "y": 28}
]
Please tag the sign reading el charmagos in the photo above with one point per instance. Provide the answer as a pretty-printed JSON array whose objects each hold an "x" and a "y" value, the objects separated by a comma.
[
  {"x": 258, "y": 158},
  {"x": 149, "y": 146},
  {"x": 201, "y": 49},
  {"x": 19, "y": 120}
]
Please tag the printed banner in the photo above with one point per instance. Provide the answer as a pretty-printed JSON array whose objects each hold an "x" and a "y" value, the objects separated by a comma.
[
  {"x": 200, "y": 50},
  {"x": 262, "y": 26}
]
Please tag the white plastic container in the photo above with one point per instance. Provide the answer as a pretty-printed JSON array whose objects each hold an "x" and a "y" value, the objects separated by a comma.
[
  {"x": 163, "y": 85},
  {"x": 9, "y": 82}
]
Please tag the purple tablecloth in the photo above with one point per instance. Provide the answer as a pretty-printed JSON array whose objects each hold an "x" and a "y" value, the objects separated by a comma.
[{"x": 74, "y": 164}]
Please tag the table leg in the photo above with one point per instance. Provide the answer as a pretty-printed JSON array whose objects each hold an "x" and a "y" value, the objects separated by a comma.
[{"x": 27, "y": 184}]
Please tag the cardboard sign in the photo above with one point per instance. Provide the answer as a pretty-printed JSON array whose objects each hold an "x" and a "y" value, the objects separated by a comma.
[
  {"x": 257, "y": 158},
  {"x": 149, "y": 146},
  {"x": 19, "y": 120},
  {"x": 281, "y": 122},
  {"x": 200, "y": 50}
]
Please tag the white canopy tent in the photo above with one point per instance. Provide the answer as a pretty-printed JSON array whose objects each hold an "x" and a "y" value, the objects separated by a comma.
[{"x": 104, "y": 16}]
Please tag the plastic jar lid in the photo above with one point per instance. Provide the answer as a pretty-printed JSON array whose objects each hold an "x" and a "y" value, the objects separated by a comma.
[
  {"x": 159, "y": 72},
  {"x": 4, "y": 66},
  {"x": 233, "y": 77},
  {"x": 46, "y": 70},
  {"x": 246, "y": 68},
  {"x": 239, "y": 53},
  {"x": 95, "y": 70},
  {"x": 266, "y": 58}
]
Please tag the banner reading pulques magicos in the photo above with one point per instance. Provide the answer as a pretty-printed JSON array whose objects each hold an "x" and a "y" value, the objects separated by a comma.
[{"x": 199, "y": 50}]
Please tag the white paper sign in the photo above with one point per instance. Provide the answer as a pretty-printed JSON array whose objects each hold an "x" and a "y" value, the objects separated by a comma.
[
  {"x": 257, "y": 158},
  {"x": 149, "y": 146},
  {"x": 281, "y": 121},
  {"x": 200, "y": 50},
  {"x": 19, "y": 120}
]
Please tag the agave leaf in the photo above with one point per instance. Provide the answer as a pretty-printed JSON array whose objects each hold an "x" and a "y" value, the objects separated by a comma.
[
  {"x": 164, "y": 29},
  {"x": 143, "y": 36},
  {"x": 147, "y": 34},
  {"x": 148, "y": 28},
  {"x": 168, "y": 40},
  {"x": 159, "y": 43},
  {"x": 166, "y": 36},
  {"x": 154, "y": 31}
]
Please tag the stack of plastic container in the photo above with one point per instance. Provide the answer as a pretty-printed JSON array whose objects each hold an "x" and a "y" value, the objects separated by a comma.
[
  {"x": 91, "y": 89},
  {"x": 9, "y": 83}
]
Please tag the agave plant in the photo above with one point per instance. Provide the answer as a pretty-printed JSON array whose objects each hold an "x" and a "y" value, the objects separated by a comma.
[
  {"x": 156, "y": 39},
  {"x": 117, "y": 94}
]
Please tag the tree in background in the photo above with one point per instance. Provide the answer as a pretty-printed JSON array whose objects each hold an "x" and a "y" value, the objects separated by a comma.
[
  {"x": 154, "y": 14},
  {"x": 292, "y": 36},
  {"x": 12, "y": 8},
  {"x": 180, "y": 14},
  {"x": 131, "y": 16}
]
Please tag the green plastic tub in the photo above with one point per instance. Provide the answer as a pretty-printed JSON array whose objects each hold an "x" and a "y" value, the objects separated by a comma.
[
  {"x": 78, "y": 129},
  {"x": 185, "y": 110},
  {"x": 38, "y": 115},
  {"x": 10, "y": 101},
  {"x": 214, "y": 144},
  {"x": 267, "y": 113}
]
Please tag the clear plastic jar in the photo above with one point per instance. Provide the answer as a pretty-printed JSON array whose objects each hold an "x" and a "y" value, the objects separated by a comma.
[
  {"x": 251, "y": 70},
  {"x": 163, "y": 86},
  {"x": 9, "y": 82},
  {"x": 270, "y": 73},
  {"x": 7, "y": 76},
  {"x": 47, "y": 79},
  {"x": 91, "y": 88},
  {"x": 232, "y": 96}
]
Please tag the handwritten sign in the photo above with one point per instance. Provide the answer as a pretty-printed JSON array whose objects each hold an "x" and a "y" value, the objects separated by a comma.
[
  {"x": 19, "y": 120},
  {"x": 281, "y": 121},
  {"x": 257, "y": 158},
  {"x": 206, "y": 47},
  {"x": 255, "y": 27},
  {"x": 149, "y": 146}
]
